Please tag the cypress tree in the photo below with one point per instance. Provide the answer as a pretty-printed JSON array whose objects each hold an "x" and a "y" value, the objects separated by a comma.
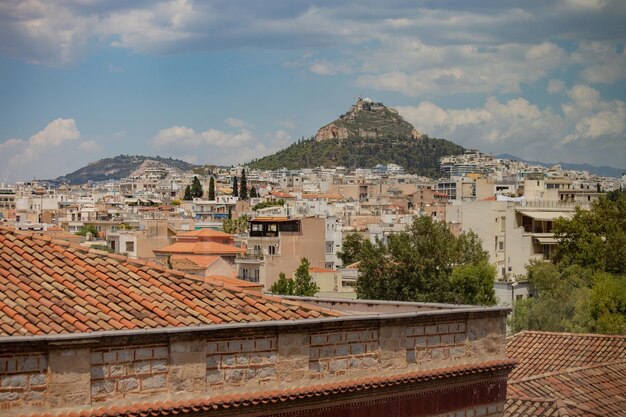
[
  {"x": 212, "y": 189},
  {"x": 188, "y": 194},
  {"x": 235, "y": 187},
  {"x": 243, "y": 186},
  {"x": 253, "y": 193},
  {"x": 196, "y": 188}
]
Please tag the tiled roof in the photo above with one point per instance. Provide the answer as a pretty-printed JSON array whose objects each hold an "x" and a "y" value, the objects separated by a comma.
[
  {"x": 317, "y": 269},
  {"x": 541, "y": 352},
  {"x": 546, "y": 407},
  {"x": 52, "y": 287},
  {"x": 601, "y": 388},
  {"x": 182, "y": 262},
  {"x": 200, "y": 248},
  {"x": 247, "y": 399},
  {"x": 204, "y": 233}
]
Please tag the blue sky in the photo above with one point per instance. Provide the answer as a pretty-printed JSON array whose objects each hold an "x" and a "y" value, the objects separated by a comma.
[{"x": 223, "y": 82}]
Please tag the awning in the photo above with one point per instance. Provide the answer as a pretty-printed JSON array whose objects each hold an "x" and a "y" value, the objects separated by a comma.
[
  {"x": 546, "y": 215},
  {"x": 547, "y": 240}
]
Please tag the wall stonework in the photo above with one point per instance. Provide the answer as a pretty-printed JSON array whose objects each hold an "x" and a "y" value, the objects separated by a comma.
[
  {"x": 23, "y": 380},
  {"x": 161, "y": 366},
  {"x": 242, "y": 361},
  {"x": 119, "y": 372}
]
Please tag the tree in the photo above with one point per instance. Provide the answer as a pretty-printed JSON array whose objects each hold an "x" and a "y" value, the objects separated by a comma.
[
  {"x": 84, "y": 230},
  {"x": 243, "y": 186},
  {"x": 188, "y": 195},
  {"x": 235, "y": 187},
  {"x": 253, "y": 193},
  {"x": 594, "y": 238},
  {"x": 473, "y": 284},
  {"x": 303, "y": 282},
  {"x": 283, "y": 286},
  {"x": 302, "y": 285},
  {"x": 236, "y": 226},
  {"x": 417, "y": 264},
  {"x": 351, "y": 248},
  {"x": 212, "y": 189},
  {"x": 196, "y": 188},
  {"x": 572, "y": 299}
]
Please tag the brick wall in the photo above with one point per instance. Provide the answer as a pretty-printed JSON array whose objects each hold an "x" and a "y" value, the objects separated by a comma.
[
  {"x": 157, "y": 366},
  {"x": 117, "y": 373},
  {"x": 241, "y": 361},
  {"x": 23, "y": 380}
]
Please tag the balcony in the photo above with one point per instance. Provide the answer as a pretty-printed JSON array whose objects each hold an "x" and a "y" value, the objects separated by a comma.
[{"x": 248, "y": 257}]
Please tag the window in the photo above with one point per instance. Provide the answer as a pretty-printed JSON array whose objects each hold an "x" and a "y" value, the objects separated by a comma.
[
  {"x": 112, "y": 245},
  {"x": 329, "y": 246},
  {"x": 245, "y": 273},
  {"x": 329, "y": 265},
  {"x": 501, "y": 245},
  {"x": 255, "y": 275},
  {"x": 271, "y": 250},
  {"x": 130, "y": 246}
]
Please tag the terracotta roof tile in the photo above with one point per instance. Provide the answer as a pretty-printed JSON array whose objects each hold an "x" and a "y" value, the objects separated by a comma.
[
  {"x": 98, "y": 292},
  {"x": 219, "y": 402},
  {"x": 541, "y": 352},
  {"x": 546, "y": 407},
  {"x": 601, "y": 388}
]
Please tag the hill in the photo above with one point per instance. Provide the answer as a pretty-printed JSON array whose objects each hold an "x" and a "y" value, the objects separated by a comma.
[
  {"x": 367, "y": 135},
  {"x": 604, "y": 171},
  {"x": 118, "y": 167}
]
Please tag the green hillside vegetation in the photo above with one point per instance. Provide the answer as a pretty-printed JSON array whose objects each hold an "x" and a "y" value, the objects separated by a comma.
[{"x": 417, "y": 156}]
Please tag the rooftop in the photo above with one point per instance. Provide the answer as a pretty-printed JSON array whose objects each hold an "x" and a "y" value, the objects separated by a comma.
[{"x": 54, "y": 287}]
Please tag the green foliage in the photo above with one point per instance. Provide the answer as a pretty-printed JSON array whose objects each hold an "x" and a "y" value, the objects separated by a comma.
[
  {"x": 473, "y": 284},
  {"x": 188, "y": 195},
  {"x": 271, "y": 203},
  {"x": 572, "y": 299},
  {"x": 243, "y": 186},
  {"x": 303, "y": 282},
  {"x": 103, "y": 248},
  {"x": 176, "y": 202},
  {"x": 584, "y": 289},
  {"x": 419, "y": 156},
  {"x": 283, "y": 286},
  {"x": 196, "y": 188},
  {"x": 302, "y": 285},
  {"x": 87, "y": 229},
  {"x": 236, "y": 226},
  {"x": 253, "y": 193},
  {"x": 351, "y": 248},
  {"x": 417, "y": 265},
  {"x": 235, "y": 187},
  {"x": 594, "y": 238},
  {"x": 212, "y": 189}
]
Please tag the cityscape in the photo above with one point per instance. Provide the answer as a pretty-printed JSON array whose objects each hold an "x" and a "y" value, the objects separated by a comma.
[{"x": 312, "y": 210}]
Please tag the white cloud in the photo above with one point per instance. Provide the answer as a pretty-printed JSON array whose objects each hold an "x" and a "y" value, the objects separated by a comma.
[
  {"x": 217, "y": 147},
  {"x": 602, "y": 62},
  {"x": 51, "y": 152},
  {"x": 589, "y": 129},
  {"x": 237, "y": 123},
  {"x": 413, "y": 68},
  {"x": 555, "y": 86},
  {"x": 325, "y": 67}
]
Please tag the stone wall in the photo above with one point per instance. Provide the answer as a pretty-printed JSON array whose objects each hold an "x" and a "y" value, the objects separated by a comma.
[
  {"x": 163, "y": 366},
  {"x": 23, "y": 379}
]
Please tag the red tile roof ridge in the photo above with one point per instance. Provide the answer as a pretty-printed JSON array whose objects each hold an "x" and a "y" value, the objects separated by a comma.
[
  {"x": 568, "y": 370},
  {"x": 273, "y": 396},
  {"x": 540, "y": 332}
]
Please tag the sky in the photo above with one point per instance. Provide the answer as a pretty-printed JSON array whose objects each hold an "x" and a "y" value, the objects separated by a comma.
[{"x": 226, "y": 81}]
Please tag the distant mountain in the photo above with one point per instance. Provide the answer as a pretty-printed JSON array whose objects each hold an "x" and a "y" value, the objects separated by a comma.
[
  {"x": 368, "y": 134},
  {"x": 118, "y": 167},
  {"x": 604, "y": 170}
]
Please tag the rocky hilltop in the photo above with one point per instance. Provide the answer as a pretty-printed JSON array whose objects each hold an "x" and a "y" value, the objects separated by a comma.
[
  {"x": 367, "y": 135},
  {"x": 369, "y": 120},
  {"x": 120, "y": 167}
]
